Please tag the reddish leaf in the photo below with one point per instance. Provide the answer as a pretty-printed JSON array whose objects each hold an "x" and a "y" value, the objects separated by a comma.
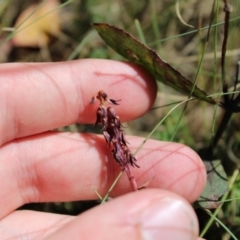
[{"x": 135, "y": 51}]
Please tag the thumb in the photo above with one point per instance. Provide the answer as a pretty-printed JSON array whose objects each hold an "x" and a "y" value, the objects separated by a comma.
[{"x": 148, "y": 214}]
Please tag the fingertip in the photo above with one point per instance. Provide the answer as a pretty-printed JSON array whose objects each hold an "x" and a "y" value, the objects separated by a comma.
[
  {"x": 171, "y": 166},
  {"x": 197, "y": 173},
  {"x": 147, "y": 214},
  {"x": 128, "y": 82},
  {"x": 168, "y": 217}
]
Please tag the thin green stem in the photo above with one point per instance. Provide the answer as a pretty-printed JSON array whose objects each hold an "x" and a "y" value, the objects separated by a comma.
[
  {"x": 191, "y": 32},
  {"x": 111, "y": 188},
  {"x": 140, "y": 32},
  {"x": 197, "y": 74}
]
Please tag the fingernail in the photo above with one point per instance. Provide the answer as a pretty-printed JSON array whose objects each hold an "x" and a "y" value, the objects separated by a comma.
[{"x": 168, "y": 218}]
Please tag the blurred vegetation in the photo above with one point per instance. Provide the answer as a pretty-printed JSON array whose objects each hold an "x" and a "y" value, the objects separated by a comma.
[{"x": 177, "y": 43}]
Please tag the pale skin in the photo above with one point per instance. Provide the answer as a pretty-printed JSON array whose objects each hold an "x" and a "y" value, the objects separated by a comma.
[{"x": 38, "y": 165}]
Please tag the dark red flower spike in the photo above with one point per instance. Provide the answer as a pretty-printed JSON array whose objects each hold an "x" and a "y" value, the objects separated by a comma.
[{"x": 115, "y": 136}]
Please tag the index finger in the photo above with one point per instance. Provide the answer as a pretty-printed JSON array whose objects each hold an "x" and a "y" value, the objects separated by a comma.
[
  {"x": 37, "y": 97},
  {"x": 68, "y": 166}
]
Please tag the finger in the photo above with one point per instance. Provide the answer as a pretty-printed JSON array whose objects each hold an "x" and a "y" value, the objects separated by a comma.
[
  {"x": 131, "y": 214},
  {"x": 148, "y": 214},
  {"x": 37, "y": 97},
  {"x": 67, "y": 166},
  {"x": 31, "y": 225}
]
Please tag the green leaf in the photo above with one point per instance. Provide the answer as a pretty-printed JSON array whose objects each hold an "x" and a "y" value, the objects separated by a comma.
[
  {"x": 217, "y": 185},
  {"x": 135, "y": 51}
]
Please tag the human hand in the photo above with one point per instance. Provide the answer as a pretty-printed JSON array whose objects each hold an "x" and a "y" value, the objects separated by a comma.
[{"x": 37, "y": 165}]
